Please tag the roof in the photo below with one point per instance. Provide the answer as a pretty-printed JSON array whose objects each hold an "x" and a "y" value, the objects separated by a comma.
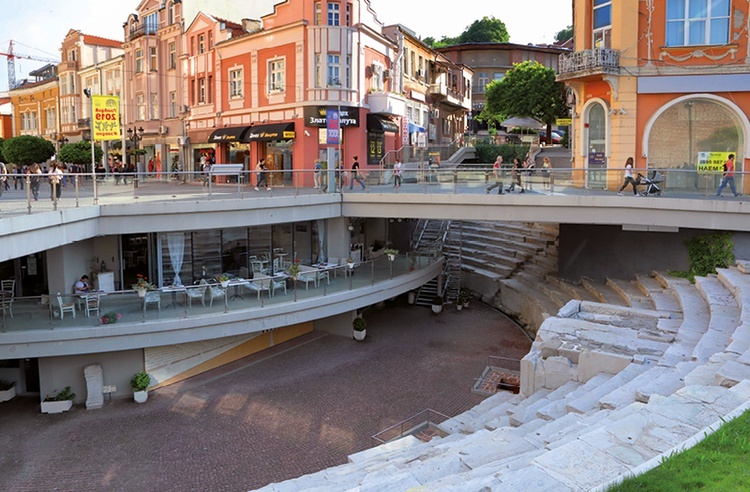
[
  {"x": 548, "y": 48},
  {"x": 99, "y": 41}
]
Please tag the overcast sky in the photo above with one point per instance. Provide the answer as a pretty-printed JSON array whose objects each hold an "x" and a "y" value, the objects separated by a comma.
[{"x": 40, "y": 28}]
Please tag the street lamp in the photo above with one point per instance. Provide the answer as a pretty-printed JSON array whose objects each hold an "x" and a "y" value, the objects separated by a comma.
[{"x": 135, "y": 136}]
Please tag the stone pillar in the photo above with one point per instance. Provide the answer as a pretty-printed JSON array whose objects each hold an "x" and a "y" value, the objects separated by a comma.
[{"x": 94, "y": 386}]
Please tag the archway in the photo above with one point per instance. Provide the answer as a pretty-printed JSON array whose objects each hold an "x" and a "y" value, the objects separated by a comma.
[{"x": 595, "y": 119}]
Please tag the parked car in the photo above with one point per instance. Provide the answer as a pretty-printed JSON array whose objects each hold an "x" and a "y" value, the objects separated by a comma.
[{"x": 556, "y": 136}]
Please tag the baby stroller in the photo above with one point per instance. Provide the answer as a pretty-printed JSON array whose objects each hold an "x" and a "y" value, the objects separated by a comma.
[{"x": 651, "y": 184}]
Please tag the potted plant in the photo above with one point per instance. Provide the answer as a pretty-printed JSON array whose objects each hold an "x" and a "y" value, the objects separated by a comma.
[
  {"x": 223, "y": 280},
  {"x": 391, "y": 253},
  {"x": 142, "y": 285},
  {"x": 7, "y": 390},
  {"x": 350, "y": 263},
  {"x": 437, "y": 304},
  {"x": 293, "y": 269},
  {"x": 140, "y": 383},
  {"x": 464, "y": 297},
  {"x": 110, "y": 318},
  {"x": 359, "y": 326},
  {"x": 61, "y": 402}
]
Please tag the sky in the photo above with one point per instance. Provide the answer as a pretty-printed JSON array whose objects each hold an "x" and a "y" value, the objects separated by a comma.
[{"x": 39, "y": 31}]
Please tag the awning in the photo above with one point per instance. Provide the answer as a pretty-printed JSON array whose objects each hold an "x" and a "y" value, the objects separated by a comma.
[
  {"x": 274, "y": 131},
  {"x": 377, "y": 123},
  {"x": 413, "y": 127},
  {"x": 230, "y": 134}
]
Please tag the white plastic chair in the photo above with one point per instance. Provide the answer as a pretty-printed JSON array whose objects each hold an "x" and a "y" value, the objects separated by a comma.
[
  {"x": 198, "y": 292},
  {"x": 69, "y": 307},
  {"x": 213, "y": 292},
  {"x": 259, "y": 285},
  {"x": 92, "y": 305},
  {"x": 277, "y": 284},
  {"x": 152, "y": 297}
]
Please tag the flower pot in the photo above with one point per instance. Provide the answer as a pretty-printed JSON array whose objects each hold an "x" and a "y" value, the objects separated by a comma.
[
  {"x": 359, "y": 335},
  {"x": 141, "y": 292},
  {"x": 140, "y": 396},
  {"x": 466, "y": 304},
  {"x": 411, "y": 297},
  {"x": 56, "y": 406},
  {"x": 8, "y": 394},
  {"x": 437, "y": 308},
  {"x": 350, "y": 265},
  {"x": 459, "y": 306},
  {"x": 224, "y": 283},
  {"x": 391, "y": 257}
]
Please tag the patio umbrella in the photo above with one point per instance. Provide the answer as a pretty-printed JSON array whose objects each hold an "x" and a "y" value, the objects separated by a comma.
[{"x": 522, "y": 122}]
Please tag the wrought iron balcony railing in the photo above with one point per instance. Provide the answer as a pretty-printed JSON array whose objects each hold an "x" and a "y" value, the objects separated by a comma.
[{"x": 599, "y": 60}]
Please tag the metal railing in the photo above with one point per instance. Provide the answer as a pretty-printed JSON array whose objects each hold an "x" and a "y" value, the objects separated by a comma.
[
  {"x": 604, "y": 59},
  {"x": 410, "y": 426}
]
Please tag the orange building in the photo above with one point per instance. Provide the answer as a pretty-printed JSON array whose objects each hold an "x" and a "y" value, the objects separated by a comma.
[
  {"x": 35, "y": 109},
  {"x": 664, "y": 81}
]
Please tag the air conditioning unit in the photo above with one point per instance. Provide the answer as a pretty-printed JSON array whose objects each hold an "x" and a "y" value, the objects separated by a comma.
[
  {"x": 436, "y": 113},
  {"x": 386, "y": 74},
  {"x": 163, "y": 130}
]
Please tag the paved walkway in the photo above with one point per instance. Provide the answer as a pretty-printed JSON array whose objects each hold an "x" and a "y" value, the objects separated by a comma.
[{"x": 266, "y": 418}]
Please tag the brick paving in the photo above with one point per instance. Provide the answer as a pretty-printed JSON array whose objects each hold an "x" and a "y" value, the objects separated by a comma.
[{"x": 297, "y": 409}]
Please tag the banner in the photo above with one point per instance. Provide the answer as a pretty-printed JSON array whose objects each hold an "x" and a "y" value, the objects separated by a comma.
[
  {"x": 712, "y": 162},
  {"x": 106, "y": 117},
  {"x": 333, "y": 129}
]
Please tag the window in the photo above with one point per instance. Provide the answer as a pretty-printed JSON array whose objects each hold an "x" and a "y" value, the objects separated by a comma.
[
  {"x": 151, "y": 23},
  {"x": 276, "y": 75},
  {"x": 201, "y": 43},
  {"x": 498, "y": 76},
  {"x": 152, "y": 58},
  {"x": 348, "y": 72},
  {"x": 602, "y": 23},
  {"x": 72, "y": 83},
  {"x": 64, "y": 86},
  {"x": 318, "y": 71},
  {"x": 697, "y": 22},
  {"x": 73, "y": 114},
  {"x": 50, "y": 119},
  {"x": 348, "y": 15},
  {"x": 201, "y": 90},
  {"x": 138, "y": 60},
  {"x": 482, "y": 80},
  {"x": 172, "y": 55},
  {"x": 64, "y": 116},
  {"x": 318, "y": 14},
  {"x": 210, "y": 40},
  {"x": 170, "y": 14},
  {"x": 235, "y": 83},
  {"x": 173, "y": 104},
  {"x": 210, "y": 95},
  {"x": 333, "y": 70},
  {"x": 154, "y": 106},
  {"x": 72, "y": 55},
  {"x": 333, "y": 14},
  {"x": 140, "y": 105}
]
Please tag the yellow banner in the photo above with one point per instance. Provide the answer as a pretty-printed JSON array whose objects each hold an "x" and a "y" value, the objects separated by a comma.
[
  {"x": 106, "y": 117},
  {"x": 564, "y": 121},
  {"x": 712, "y": 162}
]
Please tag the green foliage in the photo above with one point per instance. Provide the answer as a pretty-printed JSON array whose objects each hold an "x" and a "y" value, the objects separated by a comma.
[
  {"x": 719, "y": 462},
  {"x": 706, "y": 253},
  {"x": 564, "y": 34},
  {"x": 437, "y": 301},
  {"x": 6, "y": 385},
  {"x": 359, "y": 324},
  {"x": 65, "y": 394},
  {"x": 528, "y": 89},
  {"x": 26, "y": 150},
  {"x": 140, "y": 381},
  {"x": 79, "y": 153},
  {"x": 487, "y": 30},
  {"x": 488, "y": 152},
  {"x": 2, "y": 157}
]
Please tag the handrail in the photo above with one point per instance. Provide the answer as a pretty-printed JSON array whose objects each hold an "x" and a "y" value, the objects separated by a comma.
[{"x": 431, "y": 417}]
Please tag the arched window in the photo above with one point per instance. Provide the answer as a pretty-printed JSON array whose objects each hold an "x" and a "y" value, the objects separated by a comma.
[
  {"x": 596, "y": 145},
  {"x": 692, "y": 131}
]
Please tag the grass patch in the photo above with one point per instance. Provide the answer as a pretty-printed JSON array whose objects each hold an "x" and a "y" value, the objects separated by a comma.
[{"x": 718, "y": 463}]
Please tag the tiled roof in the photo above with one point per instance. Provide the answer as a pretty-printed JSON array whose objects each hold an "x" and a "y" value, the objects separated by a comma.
[{"x": 99, "y": 41}]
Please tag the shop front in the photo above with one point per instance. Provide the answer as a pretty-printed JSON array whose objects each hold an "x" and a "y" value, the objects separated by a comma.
[
  {"x": 273, "y": 142},
  {"x": 377, "y": 140},
  {"x": 315, "y": 117}
]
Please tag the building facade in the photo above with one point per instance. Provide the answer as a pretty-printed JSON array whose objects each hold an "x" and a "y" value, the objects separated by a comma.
[{"x": 665, "y": 82}]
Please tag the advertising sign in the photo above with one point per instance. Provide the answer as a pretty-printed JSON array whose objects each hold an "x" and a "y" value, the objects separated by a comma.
[
  {"x": 333, "y": 129},
  {"x": 712, "y": 162},
  {"x": 106, "y": 117}
]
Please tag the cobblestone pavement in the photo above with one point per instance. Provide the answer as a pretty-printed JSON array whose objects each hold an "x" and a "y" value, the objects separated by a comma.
[{"x": 302, "y": 407}]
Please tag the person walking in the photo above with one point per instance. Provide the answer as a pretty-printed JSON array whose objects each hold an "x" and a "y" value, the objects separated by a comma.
[
  {"x": 397, "y": 174},
  {"x": 545, "y": 172},
  {"x": 629, "y": 178},
  {"x": 317, "y": 169},
  {"x": 55, "y": 182},
  {"x": 261, "y": 173},
  {"x": 356, "y": 176},
  {"x": 34, "y": 180},
  {"x": 728, "y": 177},
  {"x": 496, "y": 170},
  {"x": 530, "y": 166},
  {"x": 515, "y": 176}
]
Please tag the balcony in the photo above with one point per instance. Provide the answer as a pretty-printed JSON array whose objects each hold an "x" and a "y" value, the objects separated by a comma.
[
  {"x": 438, "y": 89},
  {"x": 588, "y": 62},
  {"x": 84, "y": 123},
  {"x": 141, "y": 31},
  {"x": 68, "y": 66},
  {"x": 387, "y": 103}
]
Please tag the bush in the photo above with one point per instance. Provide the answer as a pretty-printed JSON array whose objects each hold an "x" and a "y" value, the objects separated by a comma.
[
  {"x": 437, "y": 301},
  {"x": 359, "y": 324},
  {"x": 488, "y": 152},
  {"x": 65, "y": 394},
  {"x": 140, "y": 381},
  {"x": 6, "y": 385},
  {"x": 707, "y": 252}
]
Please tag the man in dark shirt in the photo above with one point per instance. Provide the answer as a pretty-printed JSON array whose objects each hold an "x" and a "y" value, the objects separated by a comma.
[{"x": 356, "y": 175}]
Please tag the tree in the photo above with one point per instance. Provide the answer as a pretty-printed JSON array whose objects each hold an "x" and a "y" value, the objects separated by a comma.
[
  {"x": 2, "y": 158},
  {"x": 564, "y": 35},
  {"x": 528, "y": 89},
  {"x": 26, "y": 150},
  {"x": 486, "y": 30},
  {"x": 79, "y": 153}
]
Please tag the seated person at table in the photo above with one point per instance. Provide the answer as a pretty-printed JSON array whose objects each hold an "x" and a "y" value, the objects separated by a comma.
[{"x": 82, "y": 286}]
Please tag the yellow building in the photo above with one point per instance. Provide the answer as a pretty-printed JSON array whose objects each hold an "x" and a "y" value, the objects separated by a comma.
[{"x": 35, "y": 109}]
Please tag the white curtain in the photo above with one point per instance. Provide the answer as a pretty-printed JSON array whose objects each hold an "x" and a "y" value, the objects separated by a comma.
[
  {"x": 321, "y": 228},
  {"x": 176, "y": 244}
]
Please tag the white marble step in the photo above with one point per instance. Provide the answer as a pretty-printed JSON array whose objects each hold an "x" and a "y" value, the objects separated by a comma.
[
  {"x": 738, "y": 284},
  {"x": 625, "y": 394},
  {"x": 725, "y": 317},
  {"x": 663, "y": 299},
  {"x": 556, "y": 409},
  {"x": 589, "y": 401},
  {"x": 665, "y": 384},
  {"x": 732, "y": 373},
  {"x": 529, "y": 412},
  {"x": 474, "y": 418},
  {"x": 631, "y": 293}
]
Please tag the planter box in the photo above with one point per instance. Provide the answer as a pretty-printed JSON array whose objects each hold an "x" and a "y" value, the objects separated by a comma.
[
  {"x": 8, "y": 394},
  {"x": 140, "y": 396},
  {"x": 56, "y": 406},
  {"x": 359, "y": 335}
]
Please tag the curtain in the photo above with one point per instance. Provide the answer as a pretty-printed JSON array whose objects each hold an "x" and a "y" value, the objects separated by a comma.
[{"x": 176, "y": 244}]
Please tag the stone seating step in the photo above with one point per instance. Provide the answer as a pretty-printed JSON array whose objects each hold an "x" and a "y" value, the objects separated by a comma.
[
  {"x": 625, "y": 395},
  {"x": 489, "y": 259},
  {"x": 738, "y": 284},
  {"x": 544, "y": 292},
  {"x": 589, "y": 401},
  {"x": 499, "y": 245},
  {"x": 731, "y": 373},
  {"x": 724, "y": 320},
  {"x": 666, "y": 383},
  {"x": 492, "y": 275},
  {"x": 499, "y": 417},
  {"x": 521, "y": 415},
  {"x": 575, "y": 291},
  {"x": 629, "y": 291},
  {"x": 556, "y": 409},
  {"x": 663, "y": 299},
  {"x": 519, "y": 299},
  {"x": 602, "y": 292}
]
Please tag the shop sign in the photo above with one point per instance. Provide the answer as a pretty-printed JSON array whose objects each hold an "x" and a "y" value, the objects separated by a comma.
[{"x": 712, "y": 162}]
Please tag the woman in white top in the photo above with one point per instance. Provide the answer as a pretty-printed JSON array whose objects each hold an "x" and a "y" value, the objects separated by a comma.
[
  {"x": 629, "y": 178},
  {"x": 397, "y": 174}
]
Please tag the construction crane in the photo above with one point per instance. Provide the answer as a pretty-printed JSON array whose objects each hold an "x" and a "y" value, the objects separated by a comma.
[{"x": 12, "y": 84}]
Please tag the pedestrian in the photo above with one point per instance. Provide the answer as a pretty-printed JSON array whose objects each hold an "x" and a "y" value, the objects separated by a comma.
[
  {"x": 355, "y": 175},
  {"x": 317, "y": 169},
  {"x": 397, "y": 174},
  {"x": 530, "y": 172},
  {"x": 629, "y": 178},
  {"x": 339, "y": 176},
  {"x": 55, "y": 182},
  {"x": 260, "y": 170},
  {"x": 207, "y": 172},
  {"x": 515, "y": 176},
  {"x": 728, "y": 177},
  {"x": 34, "y": 180},
  {"x": 3, "y": 177},
  {"x": 545, "y": 172},
  {"x": 496, "y": 170},
  {"x": 18, "y": 178}
]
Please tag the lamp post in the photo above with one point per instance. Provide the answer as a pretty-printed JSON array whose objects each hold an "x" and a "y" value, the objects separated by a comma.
[
  {"x": 135, "y": 136},
  {"x": 89, "y": 94}
]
